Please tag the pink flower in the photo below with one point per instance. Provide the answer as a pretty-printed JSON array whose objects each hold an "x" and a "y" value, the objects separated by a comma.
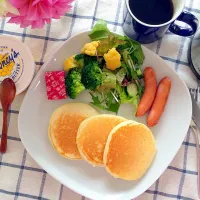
[{"x": 36, "y": 13}]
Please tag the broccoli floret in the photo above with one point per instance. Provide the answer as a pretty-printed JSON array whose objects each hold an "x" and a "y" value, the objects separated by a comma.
[
  {"x": 79, "y": 60},
  {"x": 73, "y": 83},
  {"x": 91, "y": 76},
  {"x": 90, "y": 59},
  {"x": 79, "y": 56},
  {"x": 82, "y": 59}
]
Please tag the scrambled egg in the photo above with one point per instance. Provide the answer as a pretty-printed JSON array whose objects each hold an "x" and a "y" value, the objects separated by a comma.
[
  {"x": 112, "y": 59},
  {"x": 90, "y": 48},
  {"x": 69, "y": 63}
]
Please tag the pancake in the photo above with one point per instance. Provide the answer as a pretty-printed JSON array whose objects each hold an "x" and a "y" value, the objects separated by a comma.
[
  {"x": 129, "y": 150},
  {"x": 92, "y": 136},
  {"x": 64, "y": 125}
]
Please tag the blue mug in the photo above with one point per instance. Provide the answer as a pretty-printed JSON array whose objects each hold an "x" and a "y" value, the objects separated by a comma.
[{"x": 147, "y": 33}]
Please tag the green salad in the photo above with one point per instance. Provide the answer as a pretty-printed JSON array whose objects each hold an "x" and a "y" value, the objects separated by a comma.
[{"x": 109, "y": 68}]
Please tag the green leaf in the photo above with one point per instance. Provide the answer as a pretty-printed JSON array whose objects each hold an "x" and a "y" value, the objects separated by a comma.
[
  {"x": 134, "y": 49},
  {"x": 121, "y": 75},
  {"x": 114, "y": 107},
  {"x": 135, "y": 101},
  {"x": 96, "y": 101},
  {"x": 106, "y": 44},
  {"x": 100, "y": 31},
  {"x": 105, "y": 101},
  {"x": 125, "y": 98},
  {"x": 128, "y": 69},
  {"x": 111, "y": 104},
  {"x": 137, "y": 55},
  {"x": 108, "y": 80},
  {"x": 140, "y": 90},
  {"x": 134, "y": 75}
]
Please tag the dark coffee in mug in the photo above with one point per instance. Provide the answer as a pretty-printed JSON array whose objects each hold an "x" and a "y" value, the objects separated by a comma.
[
  {"x": 148, "y": 20},
  {"x": 152, "y": 12}
]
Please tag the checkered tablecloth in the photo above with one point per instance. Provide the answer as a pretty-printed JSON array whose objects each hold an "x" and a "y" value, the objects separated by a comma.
[{"x": 21, "y": 178}]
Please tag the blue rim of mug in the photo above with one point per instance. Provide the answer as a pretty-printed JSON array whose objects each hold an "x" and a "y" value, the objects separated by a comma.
[{"x": 151, "y": 25}]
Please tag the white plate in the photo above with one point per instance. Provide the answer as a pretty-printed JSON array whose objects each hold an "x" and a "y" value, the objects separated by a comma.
[{"x": 96, "y": 183}]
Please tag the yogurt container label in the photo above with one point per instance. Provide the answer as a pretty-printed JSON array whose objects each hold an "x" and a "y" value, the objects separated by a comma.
[
  {"x": 16, "y": 62},
  {"x": 11, "y": 64}
]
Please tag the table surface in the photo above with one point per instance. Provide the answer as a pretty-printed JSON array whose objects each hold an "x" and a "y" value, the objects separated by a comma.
[{"x": 21, "y": 178}]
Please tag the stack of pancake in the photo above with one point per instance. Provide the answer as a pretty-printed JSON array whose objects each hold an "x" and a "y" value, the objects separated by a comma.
[{"x": 125, "y": 148}]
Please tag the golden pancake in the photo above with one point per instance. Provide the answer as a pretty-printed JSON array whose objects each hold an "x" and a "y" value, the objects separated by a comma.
[
  {"x": 92, "y": 136},
  {"x": 64, "y": 125},
  {"x": 129, "y": 150}
]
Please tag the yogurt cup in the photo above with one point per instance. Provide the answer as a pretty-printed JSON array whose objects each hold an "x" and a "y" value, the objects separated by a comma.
[{"x": 16, "y": 62}]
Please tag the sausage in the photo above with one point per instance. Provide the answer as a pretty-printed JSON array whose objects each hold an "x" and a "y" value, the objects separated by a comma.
[
  {"x": 149, "y": 92},
  {"x": 159, "y": 102}
]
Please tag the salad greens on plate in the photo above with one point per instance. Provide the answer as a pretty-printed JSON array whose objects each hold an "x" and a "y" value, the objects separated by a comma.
[{"x": 109, "y": 67}]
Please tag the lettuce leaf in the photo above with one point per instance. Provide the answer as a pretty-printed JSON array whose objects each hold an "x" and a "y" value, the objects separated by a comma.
[
  {"x": 120, "y": 75},
  {"x": 105, "y": 101},
  {"x": 133, "y": 49},
  {"x": 110, "y": 42},
  {"x": 108, "y": 80},
  {"x": 100, "y": 31}
]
